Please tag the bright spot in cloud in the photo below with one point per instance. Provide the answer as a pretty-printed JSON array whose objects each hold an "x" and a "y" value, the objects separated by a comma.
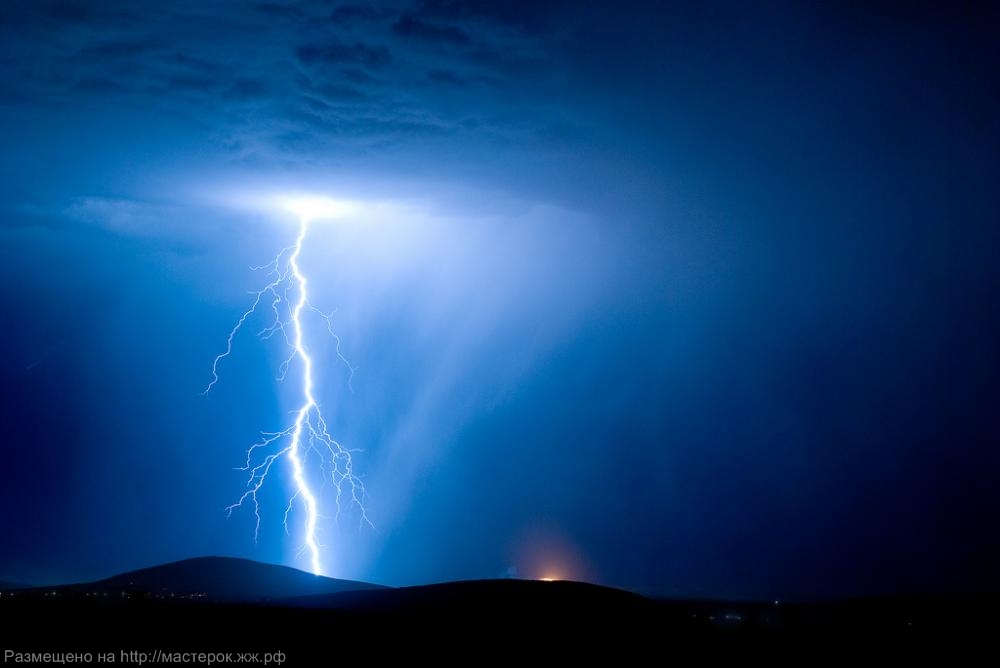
[{"x": 318, "y": 208}]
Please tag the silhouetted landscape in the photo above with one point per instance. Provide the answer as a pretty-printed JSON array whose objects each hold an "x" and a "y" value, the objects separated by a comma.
[
  {"x": 220, "y": 580},
  {"x": 238, "y": 605}
]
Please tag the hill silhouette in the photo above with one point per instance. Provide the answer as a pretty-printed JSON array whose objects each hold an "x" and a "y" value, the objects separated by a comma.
[
  {"x": 221, "y": 579},
  {"x": 535, "y": 597}
]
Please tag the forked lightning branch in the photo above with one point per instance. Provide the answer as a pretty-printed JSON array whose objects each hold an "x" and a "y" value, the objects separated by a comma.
[{"x": 303, "y": 449}]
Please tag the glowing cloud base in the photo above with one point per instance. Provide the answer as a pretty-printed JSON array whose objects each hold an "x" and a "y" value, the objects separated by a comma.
[{"x": 307, "y": 439}]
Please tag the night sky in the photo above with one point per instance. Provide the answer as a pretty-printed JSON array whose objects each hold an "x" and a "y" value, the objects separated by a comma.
[{"x": 699, "y": 299}]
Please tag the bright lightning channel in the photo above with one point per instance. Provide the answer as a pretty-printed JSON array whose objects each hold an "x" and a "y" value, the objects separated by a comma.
[{"x": 287, "y": 290}]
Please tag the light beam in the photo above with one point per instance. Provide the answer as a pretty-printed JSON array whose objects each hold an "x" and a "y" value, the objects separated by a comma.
[{"x": 308, "y": 434}]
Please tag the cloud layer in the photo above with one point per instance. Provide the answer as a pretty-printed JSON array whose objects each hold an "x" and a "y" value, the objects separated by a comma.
[{"x": 293, "y": 81}]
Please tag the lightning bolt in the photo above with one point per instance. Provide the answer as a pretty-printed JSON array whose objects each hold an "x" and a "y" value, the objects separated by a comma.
[{"x": 286, "y": 294}]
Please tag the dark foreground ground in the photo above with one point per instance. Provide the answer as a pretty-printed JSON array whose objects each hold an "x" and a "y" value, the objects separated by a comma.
[
  {"x": 478, "y": 621},
  {"x": 233, "y": 611}
]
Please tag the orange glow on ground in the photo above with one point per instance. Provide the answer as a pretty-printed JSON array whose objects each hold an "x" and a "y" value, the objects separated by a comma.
[{"x": 544, "y": 555}]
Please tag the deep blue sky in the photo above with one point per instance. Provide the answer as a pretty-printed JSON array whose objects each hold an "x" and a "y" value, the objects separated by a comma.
[{"x": 700, "y": 299}]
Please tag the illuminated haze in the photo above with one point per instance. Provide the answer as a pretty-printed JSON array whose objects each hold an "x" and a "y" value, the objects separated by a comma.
[{"x": 699, "y": 301}]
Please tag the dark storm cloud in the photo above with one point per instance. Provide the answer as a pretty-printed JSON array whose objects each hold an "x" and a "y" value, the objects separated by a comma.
[
  {"x": 446, "y": 77},
  {"x": 344, "y": 54},
  {"x": 183, "y": 61},
  {"x": 278, "y": 11},
  {"x": 189, "y": 84},
  {"x": 80, "y": 12},
  {"x": 100, "y": 86},
  {"x": 119, "y": 49},
  {"x": 355, "y": 75},
  {"x": 331, "y": 78},
  {"x": 345, "y": 14},
  {"x": 336, "y": 92},
  {"x": 531, "y": 17},
  {"x": 409, "y": 26},
  {"x": 248, "y": 89}
]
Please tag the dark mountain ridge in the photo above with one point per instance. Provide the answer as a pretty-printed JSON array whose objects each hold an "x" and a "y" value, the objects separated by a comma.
[{"x": 220, "y": 579}]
